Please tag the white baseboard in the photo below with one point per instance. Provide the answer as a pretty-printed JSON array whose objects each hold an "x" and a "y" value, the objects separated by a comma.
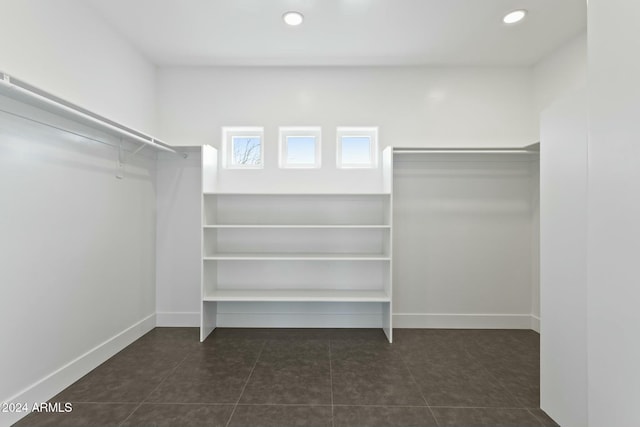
[
  {"x": 299, "y": 320},
  {"x": 535, "y": 323},
  {"x": 55, "y": 382},
  {"x": 178, "y": 319},
  {"x": 462, "y": 321},
  {"x": 354, "y": 320}
]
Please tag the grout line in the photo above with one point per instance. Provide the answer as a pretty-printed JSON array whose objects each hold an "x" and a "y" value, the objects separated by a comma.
[
  {"x": 303, "y": 404},
  {"x": 264, "y": 343},
  {"x": 132, "y": 412},
  {"x": 154, "y": 403},
  {"x": 155, "y": 388},
  {"x": 483, "y": 407},
  {"x": 404, "y": 362},
  {"x": 382, "y": 406},
  {"x": 331, "y": 384},
  {"x": 90, "y": 402},
  {"x": 321, "y": 405},
  {"x": 538, "y": 418}
]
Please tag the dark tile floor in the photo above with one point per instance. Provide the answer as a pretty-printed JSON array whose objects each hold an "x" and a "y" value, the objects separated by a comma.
[{"x": 312, "y": 377}]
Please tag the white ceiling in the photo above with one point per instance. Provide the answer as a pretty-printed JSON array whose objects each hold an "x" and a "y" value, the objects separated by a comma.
[{"x": 343, "y": 32}]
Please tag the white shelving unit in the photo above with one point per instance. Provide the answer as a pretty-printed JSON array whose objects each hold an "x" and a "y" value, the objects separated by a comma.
[{"x": 295, "y": 247}]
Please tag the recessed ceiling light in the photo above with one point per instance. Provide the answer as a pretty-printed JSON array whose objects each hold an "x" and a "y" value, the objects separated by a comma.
[
  {"x": 293, "y": 18},
  {"x": 515, "y": 16}
]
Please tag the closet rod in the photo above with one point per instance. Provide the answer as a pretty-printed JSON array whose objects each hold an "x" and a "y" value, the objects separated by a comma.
[
  {"x": 43, "y": 97},
  {"x": 89, "y": 138},
  {"x": 463, "y": 150}
]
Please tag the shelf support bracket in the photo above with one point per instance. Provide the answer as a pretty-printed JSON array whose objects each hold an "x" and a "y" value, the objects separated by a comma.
[
  {"x": 121, "y": 161},
  {"x": 127, "y": 157},
  {"x": 123, "y": 158}
]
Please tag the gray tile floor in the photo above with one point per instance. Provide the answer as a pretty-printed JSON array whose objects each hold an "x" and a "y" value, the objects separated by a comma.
[{"x": 312, "y": 377}]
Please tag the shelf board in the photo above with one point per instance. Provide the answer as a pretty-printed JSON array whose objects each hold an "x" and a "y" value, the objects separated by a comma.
[
  {"x": 296, "y": 194},
  {"x": 298, "y": 257},
  {"x": 301, "y": 226},
  {"x": 294, "y": 295}
]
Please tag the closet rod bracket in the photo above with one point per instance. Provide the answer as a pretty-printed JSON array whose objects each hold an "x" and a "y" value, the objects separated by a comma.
[{"x": 122, "y": 158}]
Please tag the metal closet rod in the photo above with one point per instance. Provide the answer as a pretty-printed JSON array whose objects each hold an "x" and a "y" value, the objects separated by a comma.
[
  {"x": 463, "y": 150},
  {"x": 81, "y": 135},
  {"x": 51, "y": 100}
]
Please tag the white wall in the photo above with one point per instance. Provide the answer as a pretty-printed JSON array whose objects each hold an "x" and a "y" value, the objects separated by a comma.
[
  {"x": 614, "y": 210},
  {"x": 413, "y": 106},
  {"x": 77, "y": 265},
  {"x": 560, "y": 73},
  {"x": 178, "y": 239},
  {"x": 65, "y": 48},
  {"x": 447, "y": 210},
  {"x": 77, "y": 254},
  {"x": 563, "y": 212},
  {"x": 462, "y": 240},
  {"x": 535, "y": 245},
  {"x": 559, "y": 292}
]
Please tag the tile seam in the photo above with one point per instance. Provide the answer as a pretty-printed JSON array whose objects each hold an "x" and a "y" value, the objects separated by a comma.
[
  {"x": 264, "y": 343},
  {"x": 154, "y": 389}
]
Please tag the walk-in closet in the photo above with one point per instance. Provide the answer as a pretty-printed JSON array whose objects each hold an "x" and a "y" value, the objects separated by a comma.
[{"x": 319, "y": 213}]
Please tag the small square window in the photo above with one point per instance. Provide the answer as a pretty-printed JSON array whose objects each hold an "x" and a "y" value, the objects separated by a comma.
[
  {"x": 357, "y": 147},
  {"x": 246, "y": 151},
  {"x": 243, "y": 147},
  {"x": 300, "y": 147},
  {"x": 301, "y": 150},
  {"x": 356, "y": 150}
]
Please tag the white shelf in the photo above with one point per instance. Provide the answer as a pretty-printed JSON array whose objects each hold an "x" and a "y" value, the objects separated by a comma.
[
  {"x": 331, "y": 244},
  {"x": 302, "y": 226},
  {"x": 296, "y": 257},
  {"x": 297, "y": 296},
  {"x": 296, "y": 194}
]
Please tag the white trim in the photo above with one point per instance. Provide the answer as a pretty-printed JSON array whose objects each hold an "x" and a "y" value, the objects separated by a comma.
[
  {"x": 58, "y": 380},
  {"x": 462, "y": 321},
  {"x": 178, "y": 319},
  {"x": 355, "y": 320},
  {"x": 299, "y": 320},
  {"x": 373, "y": 320},
  {"x": 535, "y": 323}
]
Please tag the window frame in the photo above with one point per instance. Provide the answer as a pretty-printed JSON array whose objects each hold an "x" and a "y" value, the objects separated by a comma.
[
  {"x": 370, "y": 132},
  {"x": 228, "y": 136}
]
